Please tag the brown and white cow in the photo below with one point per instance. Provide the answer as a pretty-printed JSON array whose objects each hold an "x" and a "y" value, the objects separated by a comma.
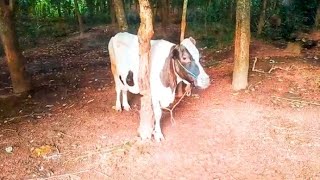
[{"x": 170, "y": 64}]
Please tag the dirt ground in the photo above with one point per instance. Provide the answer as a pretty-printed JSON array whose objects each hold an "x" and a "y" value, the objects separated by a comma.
[{"x": 66, "y": 128}]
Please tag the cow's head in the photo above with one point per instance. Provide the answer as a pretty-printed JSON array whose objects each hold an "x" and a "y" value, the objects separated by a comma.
[{"x": 187, "y": 65}]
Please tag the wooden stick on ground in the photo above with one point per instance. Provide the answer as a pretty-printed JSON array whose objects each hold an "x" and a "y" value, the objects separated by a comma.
[{"x": 254, "y": 66}]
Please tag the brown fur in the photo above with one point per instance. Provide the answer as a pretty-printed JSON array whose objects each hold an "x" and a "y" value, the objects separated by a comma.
[
  {"x": 129, "y": 79},
  {"x": 167, "y": 75}
]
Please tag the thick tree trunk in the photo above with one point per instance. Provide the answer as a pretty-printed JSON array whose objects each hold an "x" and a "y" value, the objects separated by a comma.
[
  {"x": 121, "y": 17},
  {"x": 164, "y": 13},
  {"x": 19, "y": 77},
  {"x": 77, "y": 11},
  {"x": 183, "y": 21},
  {"x": 145, "y": 34},
  {"x": 262, "y": 18},
  {"x": 241, "y": 47}
]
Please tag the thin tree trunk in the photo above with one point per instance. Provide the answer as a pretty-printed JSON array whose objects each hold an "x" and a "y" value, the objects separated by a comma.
[
  {"x": 262, "y": 17},
  {"x": 59, "y": 10},
  {"x": 317, "y": 20},
  {"x": 80, "y": 21},
  {"x": 155, "y": 11},
  {"x": 112, "y": 12},
  {"x": 183, "y": 21},
  {"x": 241, "y": 47},
  {"x": 164, "y": 13},
  {"x": 16, "y": 61},
  {"x": 121, "y": 17},
  {"x": 145, "y": 34},
  {"x": 183, "y": 29}
]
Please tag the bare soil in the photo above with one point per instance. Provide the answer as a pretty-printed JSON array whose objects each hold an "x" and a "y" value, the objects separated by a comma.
[{"x": 66, "y": 128}]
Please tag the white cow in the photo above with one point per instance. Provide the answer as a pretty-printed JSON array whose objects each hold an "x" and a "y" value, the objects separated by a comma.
[{"x": 170, "y": 64}]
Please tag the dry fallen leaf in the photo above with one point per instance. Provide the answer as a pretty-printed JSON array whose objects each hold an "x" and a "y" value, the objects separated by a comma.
[{"x": 42, "y": 151}]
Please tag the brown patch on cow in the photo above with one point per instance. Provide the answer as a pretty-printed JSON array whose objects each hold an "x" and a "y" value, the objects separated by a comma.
[
  {"x": 129, "y": 79},
  {"x": 184, "y": 57},
  {"x": 167, "y": 75}
]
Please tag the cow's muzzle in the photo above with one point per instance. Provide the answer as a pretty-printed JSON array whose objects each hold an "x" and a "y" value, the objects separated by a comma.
[{"x": 202, "y": 82}]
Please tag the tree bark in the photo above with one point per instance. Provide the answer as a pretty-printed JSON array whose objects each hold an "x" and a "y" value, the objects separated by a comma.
[
  {"x": 112, "y": 12},
  {"x": 16, "y": 61},
  {"x": 164, "y": 13},
  {"x": 242, "y": 43},
  {"x": 121, "y": 17},
  {"x": 145, "y": 34},
  {"x": 183, "y": 21},
  {"x": 59, "y": 9},
  {"x": 80, "y": 21},
  {"x": 317, "y": 20},
  {"x": 183, "y": 29},
  {"x": 262, "y": 18}
]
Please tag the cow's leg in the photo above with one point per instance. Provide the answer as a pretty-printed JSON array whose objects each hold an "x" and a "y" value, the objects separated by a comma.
[
  {"x": 158, "y": 136},
  {"x": 125, "y": 103},
  {"x": 118, "y": 103},
  {"x": 118, "y": 93}
]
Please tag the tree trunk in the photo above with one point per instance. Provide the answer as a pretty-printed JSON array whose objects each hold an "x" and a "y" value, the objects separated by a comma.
[
  {"x": 262, "y": 17},
  {"x": 16, "y": 61},
  {"x": 164, "y": 13},
  {"x": 112, "y": 13},
  {"x": 155, "y": 11},
  {"x": 59, "y": 10},
  {"x": 183, "y": 21},
  {"x": 121, "y": 17},
  {"x": 183, "y": 28},
  {"x": 317, "y": 20},
  {"x": 145, "y": 34},
  {"x": 81, "y": 26},
  {"x": 241, "y": 47}
]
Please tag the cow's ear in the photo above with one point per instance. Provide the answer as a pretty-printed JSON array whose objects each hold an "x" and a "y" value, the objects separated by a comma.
[
  {"x": 192, "y": 40},
  {"x": 175, "y": 53}
]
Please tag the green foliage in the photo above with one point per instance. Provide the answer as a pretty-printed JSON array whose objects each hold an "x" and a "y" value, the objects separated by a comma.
[
  {"x": 212, "y": 20},
  {"x": 295, "y": 16}
]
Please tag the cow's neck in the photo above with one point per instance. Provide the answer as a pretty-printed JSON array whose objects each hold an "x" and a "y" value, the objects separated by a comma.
[{"x": 168, "y": 76}]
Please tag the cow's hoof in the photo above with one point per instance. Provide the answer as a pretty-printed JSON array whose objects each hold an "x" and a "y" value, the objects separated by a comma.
[
  {"x": 127, "y": 108},
  {"x": 118, "y": 109},
  {"x": 158, "y": 136}
]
